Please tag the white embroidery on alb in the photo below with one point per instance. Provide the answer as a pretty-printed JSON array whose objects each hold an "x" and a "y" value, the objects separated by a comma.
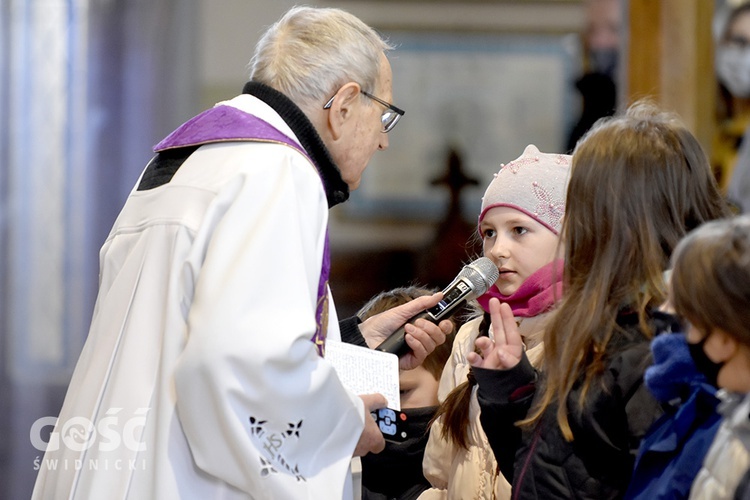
[{"x": 270, "y": 443}]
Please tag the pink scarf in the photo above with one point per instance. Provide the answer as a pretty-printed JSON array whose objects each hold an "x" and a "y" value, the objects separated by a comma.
[{"x": 536, "y": 295}]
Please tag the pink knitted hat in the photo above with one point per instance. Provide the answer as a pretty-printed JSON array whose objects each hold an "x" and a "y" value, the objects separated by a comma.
[{"x": 535, "y": 183}]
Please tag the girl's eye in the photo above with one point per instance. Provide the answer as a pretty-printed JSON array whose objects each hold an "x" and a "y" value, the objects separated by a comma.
[
  {"x": 488, "y": 233},
  {"x": 519, "y": 230}
]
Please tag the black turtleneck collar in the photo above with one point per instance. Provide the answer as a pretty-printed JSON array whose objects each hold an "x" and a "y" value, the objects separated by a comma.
[{"x": 336, "y": 189}]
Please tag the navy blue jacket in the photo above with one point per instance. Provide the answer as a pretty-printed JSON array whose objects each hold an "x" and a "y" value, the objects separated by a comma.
[{"x": 672, "y": 451}]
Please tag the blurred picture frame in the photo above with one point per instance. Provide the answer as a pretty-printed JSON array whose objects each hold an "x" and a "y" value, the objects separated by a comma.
[{"x": 482, "y": 96}]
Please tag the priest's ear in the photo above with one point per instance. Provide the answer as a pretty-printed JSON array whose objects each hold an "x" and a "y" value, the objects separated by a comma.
[{"x": 343, "y": 108}]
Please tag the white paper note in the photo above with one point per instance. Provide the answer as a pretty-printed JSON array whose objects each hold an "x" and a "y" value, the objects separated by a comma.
[{"x": 366, "y": 371}]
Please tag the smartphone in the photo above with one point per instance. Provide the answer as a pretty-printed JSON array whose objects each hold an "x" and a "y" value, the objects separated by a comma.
[{"x": 392, "y": 423}]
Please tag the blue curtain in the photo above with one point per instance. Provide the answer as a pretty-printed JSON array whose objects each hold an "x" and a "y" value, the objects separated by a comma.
[{"x": 86, "y": 88}]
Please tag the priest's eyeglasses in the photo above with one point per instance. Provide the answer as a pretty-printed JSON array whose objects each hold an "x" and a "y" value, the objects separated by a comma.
[{"x": 388, "y": 119}]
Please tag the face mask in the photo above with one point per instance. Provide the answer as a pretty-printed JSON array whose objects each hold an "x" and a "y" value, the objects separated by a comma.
[
  {"x": 703, "y": 363},
  {"x": 733, "y": 70},
  {"x": 399, "y": 466},
  {"x": 604, "y": 61}
]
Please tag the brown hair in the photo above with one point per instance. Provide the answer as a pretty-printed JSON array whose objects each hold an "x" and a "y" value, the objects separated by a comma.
[
  {"x": 435, "y": 361},
  {"x": 710, "y": 283},
  {"x": 639, "y": 183},
  {"x": 455, "y": 408}
]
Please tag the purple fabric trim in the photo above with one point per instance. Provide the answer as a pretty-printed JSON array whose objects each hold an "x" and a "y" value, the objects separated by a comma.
[
  {"x": 223, "y": 124},
  {"x": 321, "y": 313}
]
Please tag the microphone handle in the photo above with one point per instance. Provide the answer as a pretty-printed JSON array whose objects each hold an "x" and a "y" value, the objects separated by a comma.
[{"x": 396, "y": 343}]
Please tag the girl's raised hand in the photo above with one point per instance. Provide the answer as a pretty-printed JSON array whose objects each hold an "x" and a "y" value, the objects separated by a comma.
[{"x": 506, "y": 350}]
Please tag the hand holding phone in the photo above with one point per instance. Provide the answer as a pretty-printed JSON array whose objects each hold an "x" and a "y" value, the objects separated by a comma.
[{"x": 392, "y": 423}]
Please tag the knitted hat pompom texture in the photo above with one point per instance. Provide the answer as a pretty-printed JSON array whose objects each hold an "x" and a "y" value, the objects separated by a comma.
[{"x": 535, "y": 183}]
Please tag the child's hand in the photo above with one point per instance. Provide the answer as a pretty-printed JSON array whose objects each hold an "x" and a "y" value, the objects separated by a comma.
[{"x": 506, "y": 350}]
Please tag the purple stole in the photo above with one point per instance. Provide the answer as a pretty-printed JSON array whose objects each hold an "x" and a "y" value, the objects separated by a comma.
[{"x": 229, "y": 124}]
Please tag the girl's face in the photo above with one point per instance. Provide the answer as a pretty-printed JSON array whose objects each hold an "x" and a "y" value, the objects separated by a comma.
[{"x": 517, "y": 244}]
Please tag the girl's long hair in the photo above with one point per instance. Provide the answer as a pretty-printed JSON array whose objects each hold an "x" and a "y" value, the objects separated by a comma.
[{"x": 639, "y": 183}]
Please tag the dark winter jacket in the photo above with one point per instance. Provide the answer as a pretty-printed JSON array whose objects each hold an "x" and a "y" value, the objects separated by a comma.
[{"x": 597, "y": 464}]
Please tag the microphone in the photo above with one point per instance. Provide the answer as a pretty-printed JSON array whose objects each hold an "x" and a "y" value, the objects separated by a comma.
[{"x": 474, "y": 280}]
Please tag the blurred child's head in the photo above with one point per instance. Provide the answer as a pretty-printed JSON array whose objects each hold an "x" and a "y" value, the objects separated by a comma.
[
  {"x": 710, "y": 288},
  {"x": 521, "y": 215},
  {"x": 418, "y": 386}
]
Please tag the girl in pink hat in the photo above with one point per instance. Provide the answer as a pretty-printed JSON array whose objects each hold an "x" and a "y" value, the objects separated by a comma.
[{"x": 519, "y": 224}]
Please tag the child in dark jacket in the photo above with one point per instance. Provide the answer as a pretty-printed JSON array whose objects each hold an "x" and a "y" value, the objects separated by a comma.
[
  {"x": 710, "y": 290},
  {"x": 396, "y": 472}
]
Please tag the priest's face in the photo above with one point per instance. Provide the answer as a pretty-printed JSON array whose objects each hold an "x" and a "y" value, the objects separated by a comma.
[{"x": 366, "y": 135}]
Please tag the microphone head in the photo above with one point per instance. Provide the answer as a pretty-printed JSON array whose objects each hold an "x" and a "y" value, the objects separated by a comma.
[{"x": 482, "y": 273}]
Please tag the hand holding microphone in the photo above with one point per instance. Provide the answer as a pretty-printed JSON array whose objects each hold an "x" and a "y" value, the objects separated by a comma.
[{"x": 473, "y": 280}]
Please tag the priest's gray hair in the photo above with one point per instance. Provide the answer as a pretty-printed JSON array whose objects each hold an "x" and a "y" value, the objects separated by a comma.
[{"x": 311, "y": 52}]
